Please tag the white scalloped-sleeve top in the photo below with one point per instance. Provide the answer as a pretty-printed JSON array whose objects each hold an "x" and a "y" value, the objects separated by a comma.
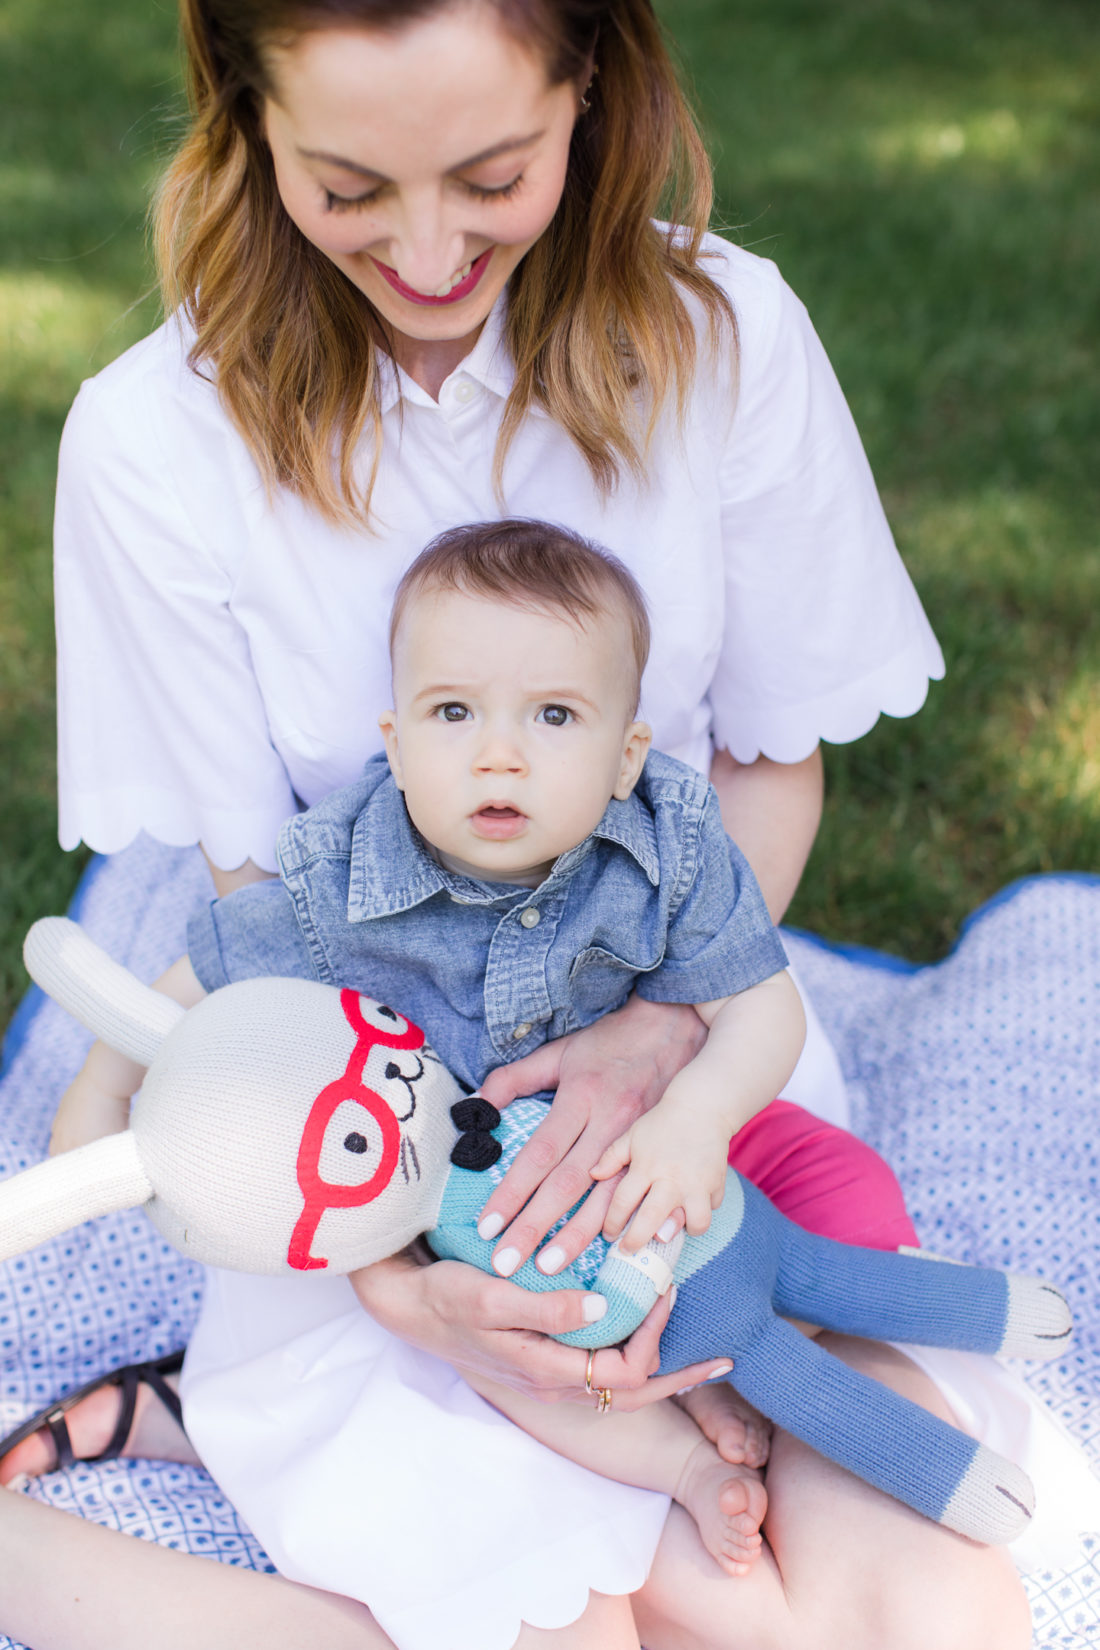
[{"x": 222, "y": 653}]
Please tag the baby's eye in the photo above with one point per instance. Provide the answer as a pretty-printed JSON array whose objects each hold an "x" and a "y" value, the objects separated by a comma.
[
  {"x": 555, "y": 716},
  {"x": 452, "y": 712}
]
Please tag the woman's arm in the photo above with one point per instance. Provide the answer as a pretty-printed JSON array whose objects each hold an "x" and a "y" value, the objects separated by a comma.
[{"x": 772, "y": 811}]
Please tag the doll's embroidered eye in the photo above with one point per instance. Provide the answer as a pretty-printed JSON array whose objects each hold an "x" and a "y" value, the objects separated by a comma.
[{"x": 355, "y": 1142}]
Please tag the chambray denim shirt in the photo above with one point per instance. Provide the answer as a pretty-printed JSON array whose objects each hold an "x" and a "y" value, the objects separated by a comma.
[{"x": 657, "y": 900}]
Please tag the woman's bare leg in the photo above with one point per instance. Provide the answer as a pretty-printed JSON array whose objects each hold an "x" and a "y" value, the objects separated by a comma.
[
  {"x": 155, "y": 1434},
  {"x": 607, "y": 1624},
  {"x": 844, "y": 1568},
  {"x": 66, "y": 1584}
]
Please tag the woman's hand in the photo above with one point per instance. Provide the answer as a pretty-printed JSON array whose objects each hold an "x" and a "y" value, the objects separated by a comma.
[
  {"x": 484, "y": 1326},
  {"x": 606, "y": 1077}
]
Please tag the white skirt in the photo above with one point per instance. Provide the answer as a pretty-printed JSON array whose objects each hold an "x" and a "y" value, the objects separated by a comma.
[{"x": 369, "y": 1468}]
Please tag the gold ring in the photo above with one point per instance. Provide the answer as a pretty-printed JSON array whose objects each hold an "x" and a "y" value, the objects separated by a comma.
[
  {"x": 588, "y": 1373},
  {"x": 604, "y": 1404}
]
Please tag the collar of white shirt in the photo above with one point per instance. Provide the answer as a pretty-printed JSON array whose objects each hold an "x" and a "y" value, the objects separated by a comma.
[{"x": 488, "y": 364}]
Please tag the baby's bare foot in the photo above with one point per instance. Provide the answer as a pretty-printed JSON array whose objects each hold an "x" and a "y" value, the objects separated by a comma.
[
  {"x": 728, "y": 1507},
  {"x": 738, "y": 1432}
]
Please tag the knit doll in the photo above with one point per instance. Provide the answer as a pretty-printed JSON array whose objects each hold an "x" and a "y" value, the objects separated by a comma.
[{"x": 288, "y": 1126}]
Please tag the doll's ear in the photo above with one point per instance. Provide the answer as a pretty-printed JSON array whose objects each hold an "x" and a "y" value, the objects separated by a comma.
[
  {"x": 97, "y": 991},
  {"x": 58, "y": 1194}
]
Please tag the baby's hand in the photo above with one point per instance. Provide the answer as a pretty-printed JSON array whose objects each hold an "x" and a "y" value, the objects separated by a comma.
[
  {"x": 87, "y": 1112},
  {"x": 673, "y": 1163}
]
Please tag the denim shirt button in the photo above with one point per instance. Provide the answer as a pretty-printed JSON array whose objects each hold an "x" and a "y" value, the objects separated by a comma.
[
  {"x": 530, "y": 917},
  {"x": 521, "y": 1031}
]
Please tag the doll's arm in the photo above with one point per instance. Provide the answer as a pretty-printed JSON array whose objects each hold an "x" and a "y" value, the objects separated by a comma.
[
  {"x": 97, "y": 1101},
  {"x": 675, "y": 1156}
]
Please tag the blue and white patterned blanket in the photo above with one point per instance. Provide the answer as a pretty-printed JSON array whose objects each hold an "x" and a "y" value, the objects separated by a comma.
[{"x": 977, "y": 1078}]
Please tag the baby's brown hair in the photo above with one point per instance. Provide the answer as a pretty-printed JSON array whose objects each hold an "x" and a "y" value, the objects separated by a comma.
[{"x": 535, "y": 565}]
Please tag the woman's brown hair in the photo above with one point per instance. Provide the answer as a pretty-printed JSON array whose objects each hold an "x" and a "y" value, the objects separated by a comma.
[{"x": 598, "y": 321}]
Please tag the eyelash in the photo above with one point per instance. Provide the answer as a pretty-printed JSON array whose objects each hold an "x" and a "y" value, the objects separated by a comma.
[{"x": 357, "y": 203}]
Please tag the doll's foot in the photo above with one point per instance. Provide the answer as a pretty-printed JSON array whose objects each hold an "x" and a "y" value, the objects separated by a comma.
[
  {"x": 727, "y": 1505},
  {"x": 131, "y": 1411},
  {"x": 738, "y": 1432}
]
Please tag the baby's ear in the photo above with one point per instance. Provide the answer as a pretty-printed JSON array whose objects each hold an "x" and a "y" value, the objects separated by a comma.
[
  {"x": 636, "y": 743},
  {"x": 388, "y": 723}
]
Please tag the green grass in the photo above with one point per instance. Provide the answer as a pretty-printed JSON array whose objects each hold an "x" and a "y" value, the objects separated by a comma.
[{"x": 927, "y": 174}]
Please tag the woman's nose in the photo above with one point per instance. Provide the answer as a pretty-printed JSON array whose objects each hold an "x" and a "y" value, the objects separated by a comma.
[{"x": 425, "y": 250}]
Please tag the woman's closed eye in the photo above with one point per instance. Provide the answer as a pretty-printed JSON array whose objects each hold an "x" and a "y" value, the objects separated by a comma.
[
  {"x": 349, "y": 203},
  {"x": 481, "y": 192}
]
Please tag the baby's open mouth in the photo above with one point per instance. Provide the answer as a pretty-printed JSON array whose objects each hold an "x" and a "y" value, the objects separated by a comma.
[{"x": 498, "y": 820}]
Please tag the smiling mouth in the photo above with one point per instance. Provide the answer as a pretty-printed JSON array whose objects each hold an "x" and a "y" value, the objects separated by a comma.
[{"x": 455, "y": 288}]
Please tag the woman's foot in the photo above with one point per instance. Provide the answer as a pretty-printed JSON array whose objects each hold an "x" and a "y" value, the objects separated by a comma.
[
  {"x": 738, "y": 1432},
  {"x": 728, "y": 1507},
  {"x": 92, "y": 1423}
]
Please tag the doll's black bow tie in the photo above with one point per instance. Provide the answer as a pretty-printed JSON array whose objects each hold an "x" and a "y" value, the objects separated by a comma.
[{"x": 476, "y": 1148}]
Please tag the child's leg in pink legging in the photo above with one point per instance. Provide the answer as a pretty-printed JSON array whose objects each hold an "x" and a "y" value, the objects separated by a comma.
[{"x": 822, "y": 1177}]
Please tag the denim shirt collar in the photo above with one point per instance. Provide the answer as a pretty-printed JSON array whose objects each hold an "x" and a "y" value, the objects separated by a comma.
[{"x": 391, "y": 869}]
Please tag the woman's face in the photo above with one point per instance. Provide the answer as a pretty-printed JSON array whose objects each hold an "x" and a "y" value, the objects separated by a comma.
[{"x": 424, "y": 162}]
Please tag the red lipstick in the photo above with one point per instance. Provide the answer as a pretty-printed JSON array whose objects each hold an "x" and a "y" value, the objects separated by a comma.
[{"x": 456, "y": 294}]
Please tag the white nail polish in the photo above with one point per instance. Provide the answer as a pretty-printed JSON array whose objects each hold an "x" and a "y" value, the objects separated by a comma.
[
  {"x": 594, "y": 1308},
  {"x": 550, "y": 1260},
  {"x": 506, "y": 1262},
  {"x": 667, "y": 1230},
  {"x": 681, "y": 1392},
  {"x": 18, "y": 1483},
  {"x": 719, "y": 1370},
  {"x": 490, "y": 1226}
]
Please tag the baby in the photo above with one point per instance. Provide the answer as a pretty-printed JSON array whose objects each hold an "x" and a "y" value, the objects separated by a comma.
[{"x": 515, "y": 865}]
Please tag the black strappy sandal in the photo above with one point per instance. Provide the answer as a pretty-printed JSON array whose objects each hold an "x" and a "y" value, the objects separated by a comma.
[{"x": 128, "y": 1379}]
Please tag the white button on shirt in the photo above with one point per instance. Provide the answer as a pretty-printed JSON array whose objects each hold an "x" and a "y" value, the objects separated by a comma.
[
  {"x": 530, "y": 917},
  {"x": 223, "y": 654}
]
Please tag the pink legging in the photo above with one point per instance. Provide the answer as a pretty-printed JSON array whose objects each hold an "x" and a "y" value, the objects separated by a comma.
[{"x": 822, "y": 1177}]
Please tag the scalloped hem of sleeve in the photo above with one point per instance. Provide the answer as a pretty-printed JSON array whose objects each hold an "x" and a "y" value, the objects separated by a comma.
[
  {"x": 110, "y": 821},
  {"x": 791, "y": 733}
]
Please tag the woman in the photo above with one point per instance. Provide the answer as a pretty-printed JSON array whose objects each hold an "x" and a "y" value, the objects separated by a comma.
[{"x": 401, "y": 311}]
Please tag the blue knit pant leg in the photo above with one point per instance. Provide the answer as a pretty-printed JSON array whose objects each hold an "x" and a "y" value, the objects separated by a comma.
[
  {"x": 854, "y": 1420},
  {"x": 889, "y": 1297}
]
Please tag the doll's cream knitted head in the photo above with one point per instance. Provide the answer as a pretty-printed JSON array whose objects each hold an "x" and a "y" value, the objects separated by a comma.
[{"x": 283, "y": 1126}]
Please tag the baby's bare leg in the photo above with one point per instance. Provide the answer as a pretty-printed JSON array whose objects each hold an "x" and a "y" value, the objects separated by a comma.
[{"x": 655, "y": 1448}]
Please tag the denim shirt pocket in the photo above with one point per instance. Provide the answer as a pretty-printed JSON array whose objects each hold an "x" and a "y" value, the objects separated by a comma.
[{"x": 601, "y": 980}]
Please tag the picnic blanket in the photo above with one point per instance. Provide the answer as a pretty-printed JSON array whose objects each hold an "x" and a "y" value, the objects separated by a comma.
[{"x": 978, "y": 1078}]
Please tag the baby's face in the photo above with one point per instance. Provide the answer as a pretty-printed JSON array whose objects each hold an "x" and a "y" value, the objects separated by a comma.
[{"x": 511, "y": 731}]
